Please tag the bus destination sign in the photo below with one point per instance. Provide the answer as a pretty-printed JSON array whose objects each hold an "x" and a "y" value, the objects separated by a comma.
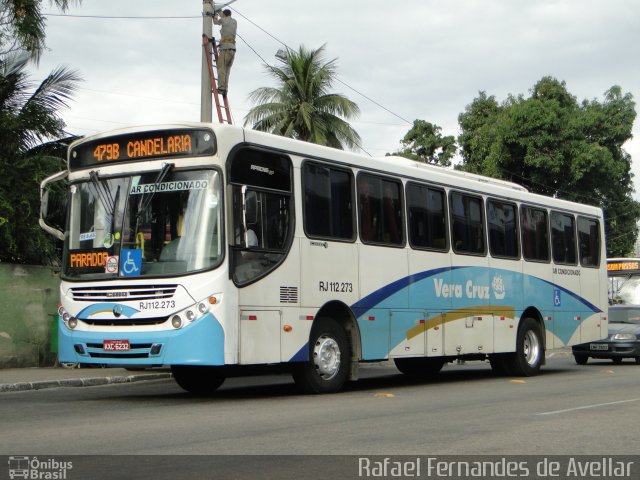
[
  {"x": 142, "y": 146},
  {"x": 622, "y": 267}
]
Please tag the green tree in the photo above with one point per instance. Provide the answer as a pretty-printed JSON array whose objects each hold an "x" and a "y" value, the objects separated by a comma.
[
  {"x": 301, "y": 106},
  {"x": 22, "y": 25},
  {"x": 424, "y": 143},
  {"x": 28, "y": 117},
  {"x": 554, "y": 145}
]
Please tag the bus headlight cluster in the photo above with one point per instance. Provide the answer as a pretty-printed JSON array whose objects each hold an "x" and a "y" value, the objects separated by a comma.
[
  {"x": 188, "y": 315},
  {"x": 69, "y": 321}
]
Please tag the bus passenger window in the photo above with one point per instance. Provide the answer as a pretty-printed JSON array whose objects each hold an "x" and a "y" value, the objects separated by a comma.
[
  {"x": 503, "y": 237},
  {"x": 563, "y": 238},
  {"x": 535, "y": 234},
  {"x": 426, "y": 217},
  {"x": 328, "y": 202},
  {"x": 589, "y": 242},
  {"x": 467, "y": 224},
  {"x": 380, "y": 210}
]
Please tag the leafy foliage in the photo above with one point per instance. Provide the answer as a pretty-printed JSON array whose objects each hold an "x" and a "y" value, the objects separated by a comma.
[
  {"x": 424, "y": 143},
  {"x": 558, "y": 147},
  {"x": 28, "y": 117},
  {"x": 302, "y": 106},
  {"x": 22, "y": 25}
]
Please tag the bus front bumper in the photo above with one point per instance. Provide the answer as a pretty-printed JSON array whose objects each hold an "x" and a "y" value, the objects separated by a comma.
[{"x": 198, "y": 343}]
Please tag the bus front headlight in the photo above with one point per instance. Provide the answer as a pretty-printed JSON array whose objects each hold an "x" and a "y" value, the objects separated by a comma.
[{"x": 191, "y": 313}]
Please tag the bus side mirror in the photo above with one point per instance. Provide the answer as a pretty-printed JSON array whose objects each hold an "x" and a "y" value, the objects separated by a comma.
[{"x": 53, "y": 205}]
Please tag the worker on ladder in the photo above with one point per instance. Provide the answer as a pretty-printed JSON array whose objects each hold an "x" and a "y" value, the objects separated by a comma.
[{"x": 227, "y": 47}]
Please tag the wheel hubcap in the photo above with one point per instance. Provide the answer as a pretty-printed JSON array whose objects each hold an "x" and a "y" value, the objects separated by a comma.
[
  {"x": 531, "y": 348},
  {"x": 326, "y": 357}
]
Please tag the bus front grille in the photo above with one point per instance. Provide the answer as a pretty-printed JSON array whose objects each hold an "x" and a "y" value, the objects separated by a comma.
[
  {"x": 123, "y": 293},
  {"x": 137, "y": 350},
  {"x": 124, "y": 322}
]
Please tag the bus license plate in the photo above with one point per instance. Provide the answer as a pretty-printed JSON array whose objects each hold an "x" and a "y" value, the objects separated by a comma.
[
  {"x": 116, "y": 345},
  {"x": 599, "y": 346}
]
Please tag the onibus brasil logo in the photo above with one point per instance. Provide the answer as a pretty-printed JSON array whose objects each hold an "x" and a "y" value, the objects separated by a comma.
[{"x": 38, "y": 469}]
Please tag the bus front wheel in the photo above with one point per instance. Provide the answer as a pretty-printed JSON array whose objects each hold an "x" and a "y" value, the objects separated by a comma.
[
  {"x": 329, "y": 359},
  {"x": 197, "y": 379}
]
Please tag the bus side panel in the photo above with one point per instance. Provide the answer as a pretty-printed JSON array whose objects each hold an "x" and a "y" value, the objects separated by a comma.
[
  {"x": 380, "y": 267},
  {"x": 468, "y": 327},
  {"x": 426, "y": 293},
  {"x": 591, "y": 286},
  {"x": 568, "y": 315},
  {"x": 260, "y": 317},
  {"x": 506, "y": 276},
  {"x": 329, "y": 272},
  {"x": 540, "y": 298}
]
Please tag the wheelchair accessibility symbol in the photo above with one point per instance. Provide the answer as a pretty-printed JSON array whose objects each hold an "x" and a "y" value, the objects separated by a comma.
[
  {"x": 556, "y": 298},
  {"x": 130, "y": 262}
]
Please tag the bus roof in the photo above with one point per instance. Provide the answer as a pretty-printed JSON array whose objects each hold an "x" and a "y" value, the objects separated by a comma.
[{"x": 389, "y": 165}]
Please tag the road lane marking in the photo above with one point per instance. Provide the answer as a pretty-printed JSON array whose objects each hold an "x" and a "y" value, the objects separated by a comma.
[{"x": 585, "y": 407}]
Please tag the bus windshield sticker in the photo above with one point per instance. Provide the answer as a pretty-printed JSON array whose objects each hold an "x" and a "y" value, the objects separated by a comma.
[
  {"x": 111, "y": 265},
  {"x": 110, "y": 239},
  {"x": 87, "y": 236},
  {"x": 131, "y": 262},
  {"x": 88, "y": 261},
  {"x": 169, "y": 187}
]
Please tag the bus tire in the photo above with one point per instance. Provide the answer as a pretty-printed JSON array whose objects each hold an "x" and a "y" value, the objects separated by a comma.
[
  {"x": 198, "y": 380},
  {"x": 329, "y": 359},
  {"x": 529, "y": 354},
  {"x": 421, "y": 367}
]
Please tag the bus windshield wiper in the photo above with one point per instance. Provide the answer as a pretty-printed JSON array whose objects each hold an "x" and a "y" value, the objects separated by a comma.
[
  {"x": 103, "y": 193},
  {"x": 146, "y": 201}
]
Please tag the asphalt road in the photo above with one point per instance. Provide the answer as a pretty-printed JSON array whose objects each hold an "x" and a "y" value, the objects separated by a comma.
[{"x": 568, "y": 409}]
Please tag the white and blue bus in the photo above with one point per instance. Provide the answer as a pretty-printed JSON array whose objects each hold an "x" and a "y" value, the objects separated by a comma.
[{"x": 211, "y": 248}]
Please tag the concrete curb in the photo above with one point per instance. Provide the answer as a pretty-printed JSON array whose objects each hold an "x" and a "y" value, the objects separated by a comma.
[{"x": 80, "y": 382}]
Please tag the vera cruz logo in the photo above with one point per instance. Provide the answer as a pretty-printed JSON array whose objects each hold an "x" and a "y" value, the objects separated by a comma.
[{"x": 470, "y": 289}]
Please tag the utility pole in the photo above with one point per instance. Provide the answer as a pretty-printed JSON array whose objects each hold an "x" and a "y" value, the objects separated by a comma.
[{"x": 206, "y": 107}]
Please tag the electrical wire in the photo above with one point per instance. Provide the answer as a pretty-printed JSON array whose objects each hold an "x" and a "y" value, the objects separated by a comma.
[
  {"x": 123, "y": 17},
  {"x": 131, "y": 17}
]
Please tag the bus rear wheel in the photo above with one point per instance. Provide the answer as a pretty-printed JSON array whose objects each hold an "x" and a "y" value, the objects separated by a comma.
[
  {"x": 197, "y": 379},
  {"x": 529, "y": 354},
  {"x": 329, "y": 359},
  {"x": 420, "y": 367}
]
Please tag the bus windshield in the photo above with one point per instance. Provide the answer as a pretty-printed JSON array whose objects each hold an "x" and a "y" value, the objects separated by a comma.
[{"x": 147, "y": 225}]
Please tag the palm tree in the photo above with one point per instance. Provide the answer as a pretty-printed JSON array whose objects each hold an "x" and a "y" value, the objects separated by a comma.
[
  {"x": 301, "y": 106},
  {"x": 22, "y": 25},
  {"x": 28, "y": 117}
]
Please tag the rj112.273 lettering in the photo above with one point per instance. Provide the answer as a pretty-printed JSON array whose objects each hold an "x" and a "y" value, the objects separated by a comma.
[{"x": 336, "y": 287}]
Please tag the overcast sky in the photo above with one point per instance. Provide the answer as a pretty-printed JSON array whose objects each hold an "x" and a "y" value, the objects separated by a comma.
[{"x": 413, "y": 59}]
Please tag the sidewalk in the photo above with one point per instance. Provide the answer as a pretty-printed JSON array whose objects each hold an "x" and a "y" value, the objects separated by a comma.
[{"x": 20, "y": 379}]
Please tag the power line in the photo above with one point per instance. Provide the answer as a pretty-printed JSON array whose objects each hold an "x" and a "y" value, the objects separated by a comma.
[
  {"x": 124, "y": 17},
  {"x": 340, "y": 81},
  {"x": 131, "y": 17}
]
